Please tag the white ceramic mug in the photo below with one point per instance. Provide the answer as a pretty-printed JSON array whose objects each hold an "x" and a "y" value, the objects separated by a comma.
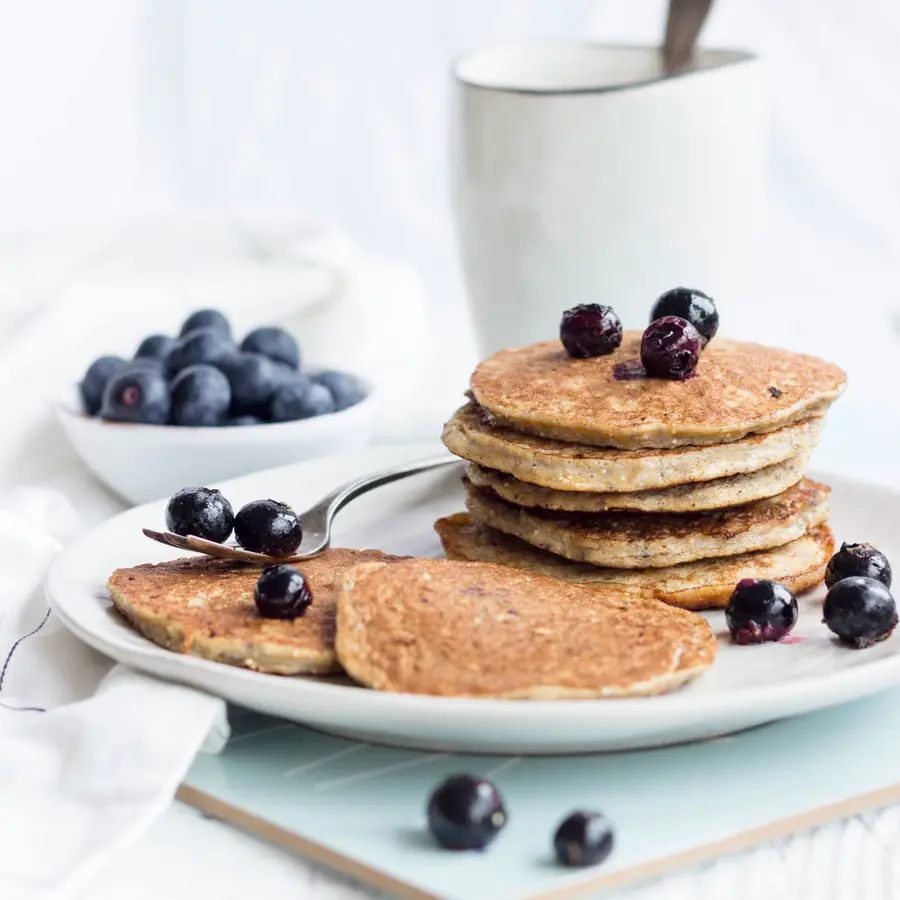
[{"x": 583, "y": 174}]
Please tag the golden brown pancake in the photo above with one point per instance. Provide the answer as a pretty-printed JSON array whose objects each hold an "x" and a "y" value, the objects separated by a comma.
[
  {"x": 716, "y": 494},
  {"x": 738, "y": 389},
  {"x": 654, "y": 540},
  {"x": 458, "y": 629},
  {"x": 205, "y": 607},
  {"x": 576, "y": 467},
  {"x": 704, "y": 584}
]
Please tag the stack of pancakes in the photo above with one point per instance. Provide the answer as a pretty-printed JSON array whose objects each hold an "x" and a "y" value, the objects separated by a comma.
[{"x": 671, "y": 489}]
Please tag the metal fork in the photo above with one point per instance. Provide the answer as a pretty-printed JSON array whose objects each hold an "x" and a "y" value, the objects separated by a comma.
[{"x": 315, "y": 522}]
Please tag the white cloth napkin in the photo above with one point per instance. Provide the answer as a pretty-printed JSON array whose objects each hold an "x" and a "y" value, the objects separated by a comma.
[{"x": 87, "y": 774}]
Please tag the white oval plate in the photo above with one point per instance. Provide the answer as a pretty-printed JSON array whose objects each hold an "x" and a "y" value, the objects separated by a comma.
[{"x": 747, "y": 686}]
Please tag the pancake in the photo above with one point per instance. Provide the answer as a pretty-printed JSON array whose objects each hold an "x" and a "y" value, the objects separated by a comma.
[
  {"x": 574, "y": 467},
  {"x": 706, "y": 584},
  {"x": 738, "y": 389},
  {"x": 721, "y": 492},
  {"x": 458, "y": 629},
  {"x": 204, "y": 607},
  {"x": 626, "y": 540}
]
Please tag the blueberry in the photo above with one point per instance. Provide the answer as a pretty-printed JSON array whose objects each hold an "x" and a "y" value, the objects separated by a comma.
[
  {"x": 694, "y": 306},
  {"x": 275, "y": 343},
  {"x": 860, "y": 611},
  {"x": 760, "y": 611},
  {"x": 282, "y": 592},
  {"x": 583, "y": 839},
  {"x": 300, "y": 399},
  {"x": 670, "y": 348},
  {"x": 266, "y": 526},
  {"x": 156, "y": 346},
  {"x": 205, "y": 345},
  {"x": 95, "y": 380},
  {"x": 137, "y": 395},
  {"x": 200, "y": 511},
  {"x": 465, "y": 813},
  {"x": 858, "y": 559},
  {"x": 146, "y": 362},
  {"x": 239, "y": 421},
  {"x": 253, "y": 379},
  {"x": 346, "y": 391},
  {"x": 590, "y": 330},
  {"x": 206, "y": 318},
  {"x": 201, "y": 396}
]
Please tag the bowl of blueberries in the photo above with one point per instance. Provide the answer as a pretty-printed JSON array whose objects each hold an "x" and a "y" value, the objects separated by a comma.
[{"x": 204, "y": 407}]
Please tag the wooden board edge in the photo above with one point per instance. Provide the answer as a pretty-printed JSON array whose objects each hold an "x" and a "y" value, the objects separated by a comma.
[{"x": 317, "y": 852}]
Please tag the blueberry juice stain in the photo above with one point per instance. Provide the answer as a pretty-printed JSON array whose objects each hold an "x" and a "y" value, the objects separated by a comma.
[{"x": 633, "y": 369}]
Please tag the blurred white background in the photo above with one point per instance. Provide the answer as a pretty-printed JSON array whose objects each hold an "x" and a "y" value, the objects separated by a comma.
[{"x": 120, "y": 109}]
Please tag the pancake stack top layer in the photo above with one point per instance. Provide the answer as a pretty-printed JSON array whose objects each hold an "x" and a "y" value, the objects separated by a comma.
[{"x": 574, "y": 463}]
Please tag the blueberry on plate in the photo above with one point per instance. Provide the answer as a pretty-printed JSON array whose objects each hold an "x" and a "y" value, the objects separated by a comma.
[
  {"x": 206, "y": 318},
  {"x": 202, "y": 512},
  {"x": 253, "y": 379},
  {"x": 583, "y": 839},
  {"x": 282, "y": 592},
  {"x": 95, "y": 380},
  {"x": 201, "y": 397},
  {"x": 693, "y": 306},
  {"x": 860, "y": 611},
  {"x": 155, "y": 346},
  {"x": 858, "y": 559},
  {"x": 670, "y": 348},
  {"x": 346, "y": 390},
  {"x": 760, "y": 611},
  {"x": 465, "y": 813},
  {"x": 275, "y": 343},
  {"x": 266, "y": 526},
  {"x": 137, "y": 395},
  {"x": 300, "y": 399},
  {"x": 240, "y": 421},
  {"x": 590, "y": 330},
  {"x": 205, "y": 345}
]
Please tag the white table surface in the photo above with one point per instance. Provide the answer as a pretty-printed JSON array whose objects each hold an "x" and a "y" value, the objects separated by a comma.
[{"x": 185, "y": 855}]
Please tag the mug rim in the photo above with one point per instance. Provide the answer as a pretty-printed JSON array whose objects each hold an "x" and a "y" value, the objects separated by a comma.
[{"x": 725, "y": 58}]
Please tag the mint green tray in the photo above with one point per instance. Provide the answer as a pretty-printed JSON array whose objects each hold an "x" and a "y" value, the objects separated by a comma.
[{"x": 360, "y": 808}]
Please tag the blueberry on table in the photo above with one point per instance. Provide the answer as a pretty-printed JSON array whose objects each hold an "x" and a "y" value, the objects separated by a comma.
[
  {"x": 253, "y": 379},
  {"x": 95, "y": 380},
  {"x": 860, "y": 611},
  {"x": 202, "y": 512},
  {"x": 137, "y": 395},
  {"x": 670, "y": 348},
  {"x": 858, "y": 559},
  {"x": 300, "y": 399},
  {"x": 760, "y": 611},
  {"x": 583, "y": 839},
  {"x": 282, "y": 592},
  {"x": 266, "y": 526},
  {"x": 346, "y": 391},
  {"x": 465, "y": 813},
  {"x": 206, "y": 318},
  {"x": 155, "y": 346},
  {"x": 590, "y": 330},
  {"x": 201, "y": 396},
  {"x": 205, "y": 345},
  {"x": 275, "y": 343},
  {"x": 693, "y": 306}
]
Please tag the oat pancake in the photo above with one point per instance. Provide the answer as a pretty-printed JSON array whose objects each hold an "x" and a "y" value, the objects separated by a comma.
[
  {"x": 475, "y": 630},
  {"x": 574, "y": 467},
  {"x": 705, "y": 584},
  {"x": 721, "y": 492},
  {"x": 738, "y": 389},
  {"x": 653, "y": 540},
  {"x": 205, "y": 608}
]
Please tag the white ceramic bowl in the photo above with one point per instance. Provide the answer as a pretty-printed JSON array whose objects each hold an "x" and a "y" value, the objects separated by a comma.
[{"x": 145, "y": 462}]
